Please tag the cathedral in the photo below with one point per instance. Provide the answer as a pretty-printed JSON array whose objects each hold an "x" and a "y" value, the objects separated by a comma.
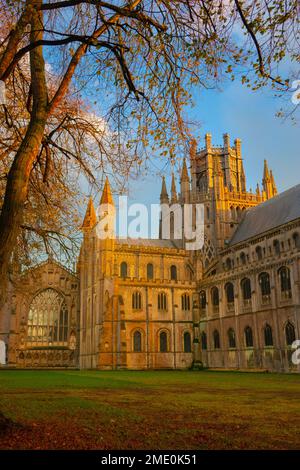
[{"x": 153, "y": 304}]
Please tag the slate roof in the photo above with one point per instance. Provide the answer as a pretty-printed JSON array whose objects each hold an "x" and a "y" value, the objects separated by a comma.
[
  {"x": 151, "y": 242},
  {"x": 267, "y": 216}
]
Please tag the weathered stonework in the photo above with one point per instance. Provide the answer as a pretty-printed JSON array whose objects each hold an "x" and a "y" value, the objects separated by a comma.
[
  {"x": 21, "y": 352},
  {"x": 152, "y": 304}
]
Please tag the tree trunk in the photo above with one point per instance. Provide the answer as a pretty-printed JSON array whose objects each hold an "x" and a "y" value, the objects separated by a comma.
[{"x": 19, "y": 174}]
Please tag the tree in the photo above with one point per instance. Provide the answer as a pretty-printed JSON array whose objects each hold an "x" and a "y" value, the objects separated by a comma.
[
  {"x": 74, "y": 140},
  {"x": 144, "y": 54}
]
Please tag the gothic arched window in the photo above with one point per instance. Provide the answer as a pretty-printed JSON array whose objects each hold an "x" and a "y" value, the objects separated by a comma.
[
  {"x": 48, "y": 319},
  {"x": 204, "y": 341},
  {"x": 228, "y": 264},
  {"x": 136, "y": 301},
  {"x": 216, "y": 338},
  {"x": 202, "y": 296},
  {"x": 173, "y": 272},
  {"x": 285, "y": 279},
  {"x": 290, "y": 334},
  {"x": 231, "y": 338},
  {"x": 185, "y": 302},
  {"x": 123, "y": 269},
  {"x": 137, "y": 341},
  {"x": 259, "y": 252},
  {"x": 187, "y": 343},
  {"x": 276, "y": 246},
  {"x": 150, "y": 271},
  {"x": 264, "y": 282},
  {"x": 163, "y": 342},
  {"x": 243, "y": 258},
  {"x": 215, "y": 296},
  {"x": 248, "y": 337},
  {"x": 162, "y": 301},
  {"x": 246, "y": 288},
  {"x": 268, "y": 335},
  {"x": 229, "y": 289}
]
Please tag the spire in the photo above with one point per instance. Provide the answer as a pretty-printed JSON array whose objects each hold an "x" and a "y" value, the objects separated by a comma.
[
  {"x": 106, "y": 197},
  {"x": 266, "y": 171},
  {"x": 184, "y": 172},
  {"x": 274, "y": 187},
  {"x": 184, "y": 184},
  {"x": 90, "y": 218},
  {"x": 164, "y": 198},
  {"x": 257, "y": 190},
  {"x": 173, "y": 190},
  {"x": 267, "y": 183},
  {"x": 243, "y": 178}
]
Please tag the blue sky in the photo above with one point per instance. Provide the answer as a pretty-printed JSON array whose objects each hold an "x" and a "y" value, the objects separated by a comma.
[
  {"x": 244, "y": 114},
  {"x": 249, "y": 116}
]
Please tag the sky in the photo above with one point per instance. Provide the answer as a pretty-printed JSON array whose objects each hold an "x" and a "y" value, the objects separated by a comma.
[{"x": 244, "y": 114}]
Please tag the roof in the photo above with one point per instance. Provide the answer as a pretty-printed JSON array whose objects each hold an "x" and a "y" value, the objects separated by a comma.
[
  {"x": 50, "y": 262},
  {"x": 149, "y": 242},
  {"x": 267, "y": 216},
  {"x": 106, "y": 197},
  {"x": 90, "y": 218}
]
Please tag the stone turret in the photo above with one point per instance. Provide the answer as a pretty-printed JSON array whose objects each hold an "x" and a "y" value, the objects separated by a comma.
[
  {"x": 164, "y": 197},
  {"x": 106, "y": 197},
  {"x": 173, "y": 190},
  {"x": 90, "y": 218},
  {"x": 242, "y": 179},
  {"x": 185, "y": 183},
  {"x": 274, "y": 187},
  {"x": 258, "y": 190},
  {"x": 268, "y": 182},
  {"x": 106, "y": 213}
]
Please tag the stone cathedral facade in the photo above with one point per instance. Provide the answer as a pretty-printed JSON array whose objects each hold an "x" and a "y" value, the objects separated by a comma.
[{"x": 152, "y": 304}]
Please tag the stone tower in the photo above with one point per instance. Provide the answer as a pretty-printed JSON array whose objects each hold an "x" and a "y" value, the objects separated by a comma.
[
  {"x": 96, "y": 265},
  {"x": 217, "y": 180}
]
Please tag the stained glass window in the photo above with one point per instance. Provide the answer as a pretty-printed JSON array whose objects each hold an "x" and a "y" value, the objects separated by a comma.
[{"x": 48, "y": 319}]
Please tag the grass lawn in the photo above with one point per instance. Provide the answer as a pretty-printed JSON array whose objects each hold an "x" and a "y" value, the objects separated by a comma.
[{"x": 148, "y": 410}]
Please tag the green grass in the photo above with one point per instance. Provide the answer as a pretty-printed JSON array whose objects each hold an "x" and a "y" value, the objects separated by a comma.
[{"x": 149, "y": 410}]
